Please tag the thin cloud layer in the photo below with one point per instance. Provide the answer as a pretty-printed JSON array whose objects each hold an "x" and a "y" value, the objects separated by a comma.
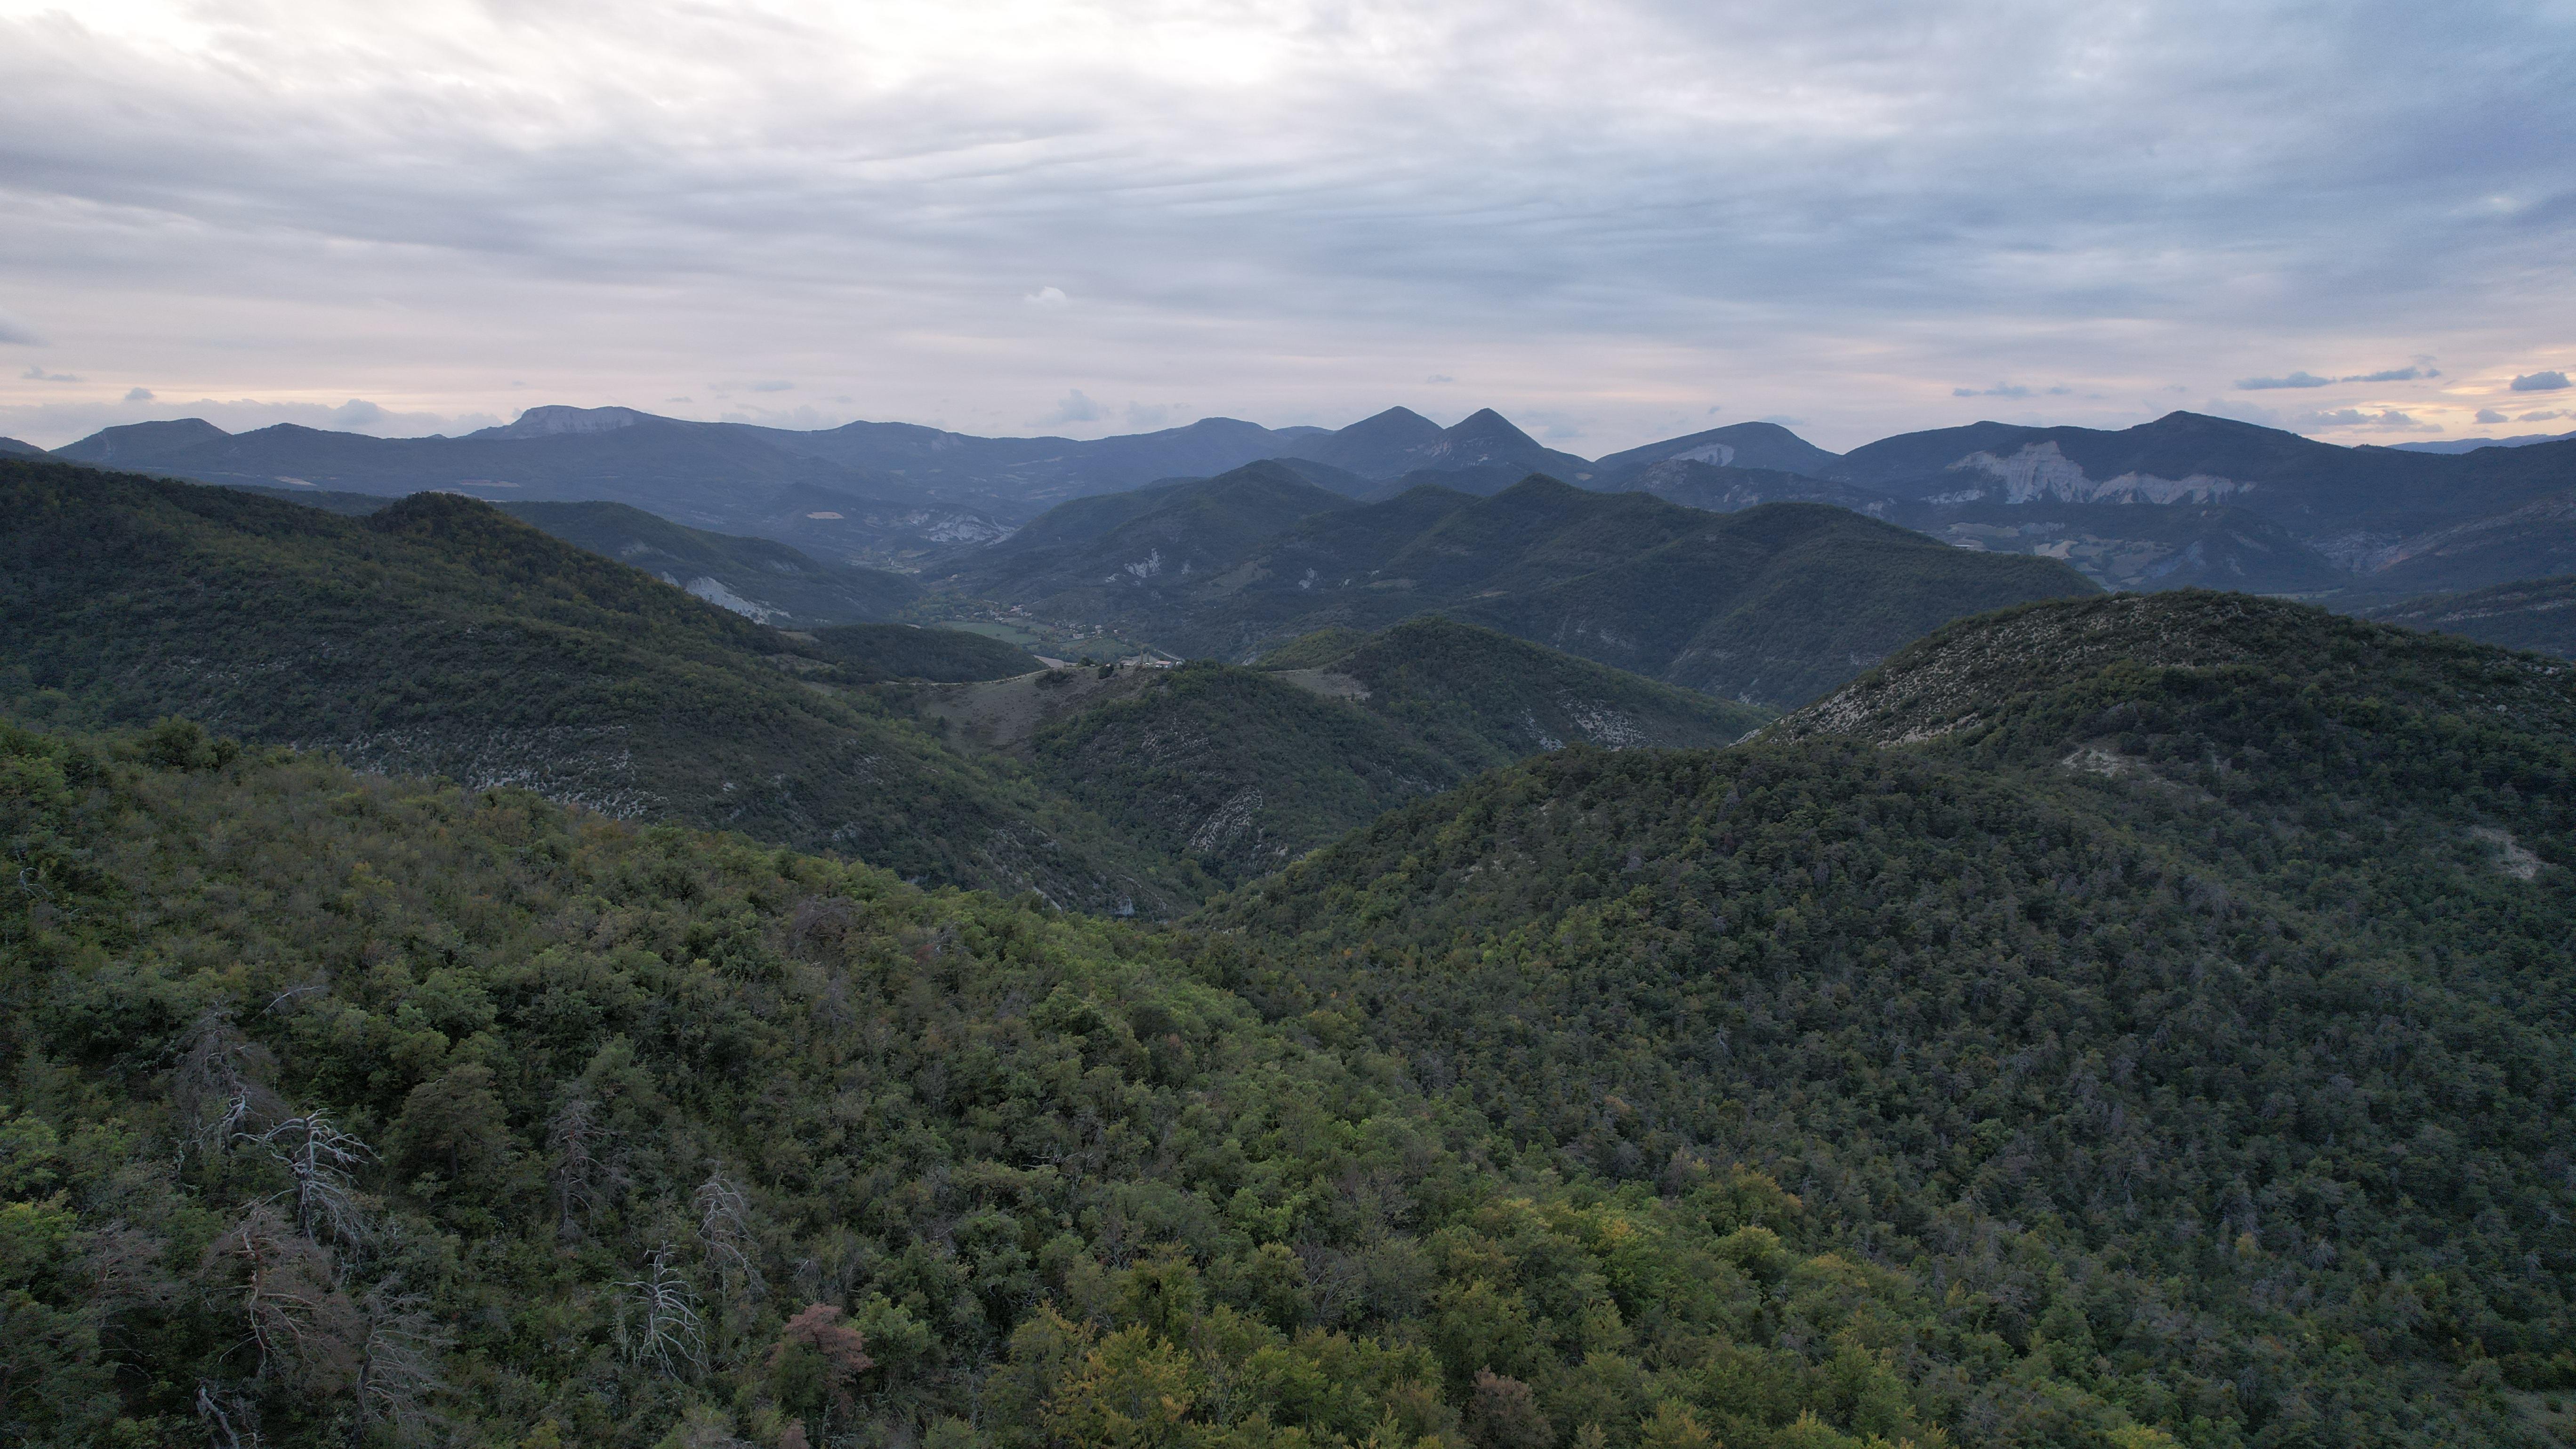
[{"x": 1294, "y": 212}]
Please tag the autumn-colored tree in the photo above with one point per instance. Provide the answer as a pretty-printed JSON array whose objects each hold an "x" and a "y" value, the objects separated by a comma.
[
  {"x": 1504, "y": 1414},
  {"x": 815, "y": 1359}
]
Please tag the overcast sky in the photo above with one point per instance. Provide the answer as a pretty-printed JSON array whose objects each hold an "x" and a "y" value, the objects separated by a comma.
[{"x": 1613, "y": 221}]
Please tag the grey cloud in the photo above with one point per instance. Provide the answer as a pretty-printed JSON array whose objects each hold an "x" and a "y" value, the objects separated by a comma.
[
  {"x": 15, "y": 330},
  {"x": 38, "y": 374},
  {"x": 138, "y": 394},
  {"x": 2011, "y": 389},
  {"x": 2244, "y": 412},
  {"x": 2296, "y": 379},
  {"x": 2395, "y": 374},
  {"x": 2540, "y": 417},
  {"x": 2540, "y": 382},
  {"x": 804, "y": 417},
  {"x": 1075, "y": 408},
  {"x": 2490, "y": 415},
  {"x": 1371, "y": 199},
  {"x": 2357, "y": 418},
  {"x": 1145, "y": 417},
  {"x": 1438, "y": 378},
  {"x": 770, "y": 386}
]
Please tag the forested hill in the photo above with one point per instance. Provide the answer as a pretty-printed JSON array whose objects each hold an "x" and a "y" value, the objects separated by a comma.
[
  {"x": 2175, "y": 985},
  {"x": 1239, "y": 770},
  {"x": 2533, "y": 614},
  {"x": 1770, "y": 606},
  {"x": 1489, "y": 698},
  {"x": 758, "y": 578},
  {"x": 440, "y": 636}
]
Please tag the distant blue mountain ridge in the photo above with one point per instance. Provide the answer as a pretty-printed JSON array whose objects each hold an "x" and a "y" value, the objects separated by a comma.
[{"x": 2185, "y": 499}]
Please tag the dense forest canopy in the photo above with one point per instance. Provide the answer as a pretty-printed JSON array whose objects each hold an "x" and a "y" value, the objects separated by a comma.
[
  {"x": 2174, "y": 1053},
  {"x": 348, "y": 1107}
]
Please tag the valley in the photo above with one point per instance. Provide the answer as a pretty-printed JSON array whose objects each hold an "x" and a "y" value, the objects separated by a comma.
[{"x": 1648, "y": 972}]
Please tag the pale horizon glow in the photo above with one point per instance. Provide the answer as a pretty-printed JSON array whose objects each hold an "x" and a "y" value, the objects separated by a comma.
[{"x": 1613, "y": 223}]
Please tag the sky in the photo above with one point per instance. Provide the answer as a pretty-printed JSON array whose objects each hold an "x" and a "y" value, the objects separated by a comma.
[{"x": 1613, "y": 220}]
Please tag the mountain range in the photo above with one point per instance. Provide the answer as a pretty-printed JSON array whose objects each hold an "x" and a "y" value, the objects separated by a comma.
[
  {"x": 2184, "y": 500},
  {"x": 2471, "y": 445}
]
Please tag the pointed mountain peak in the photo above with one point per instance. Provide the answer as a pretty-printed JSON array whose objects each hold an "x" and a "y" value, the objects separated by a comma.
[
  {"x": 1402, "y": 426},
  {"x": 1489, "y": 424}
]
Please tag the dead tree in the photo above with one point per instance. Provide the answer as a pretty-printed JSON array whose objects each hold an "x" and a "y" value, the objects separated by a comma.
[
  {"x": 216, "y": 1091},
  {"x": 399, "y": 1372},
  {"x": 724, "y": 1225},
  {"x": 231, "y": 1420},
  {"x": 322, "y": 1161},
  {"x": 672, "y": 1335},
  {"x": 303, "y": 1328},
  {"x": 585, "y": 1176}
]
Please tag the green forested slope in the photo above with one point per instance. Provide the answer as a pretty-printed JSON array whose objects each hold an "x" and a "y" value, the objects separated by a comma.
[
  {"x": 440, "y": 636},
  {"x": 1242, "y": 770},
  {"x": 756, "y": 577},
  {"x": 868, "y": 653},
  {"x": 1484, "y": 697},
  {"x": 1094, "y": 557},
  {"x": 1235, "y": 769},
  {"x": 2534, "y": 614},
  {"x": 348, "y": 1109},
  {"x": 1768, "y": 606},
  {"x": 1775, "y": 605},
  {"x": 2175, "y": 986}
]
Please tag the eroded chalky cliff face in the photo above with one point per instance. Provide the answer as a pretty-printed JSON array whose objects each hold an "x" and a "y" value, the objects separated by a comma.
[{"x": 2041, "y": 473}]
